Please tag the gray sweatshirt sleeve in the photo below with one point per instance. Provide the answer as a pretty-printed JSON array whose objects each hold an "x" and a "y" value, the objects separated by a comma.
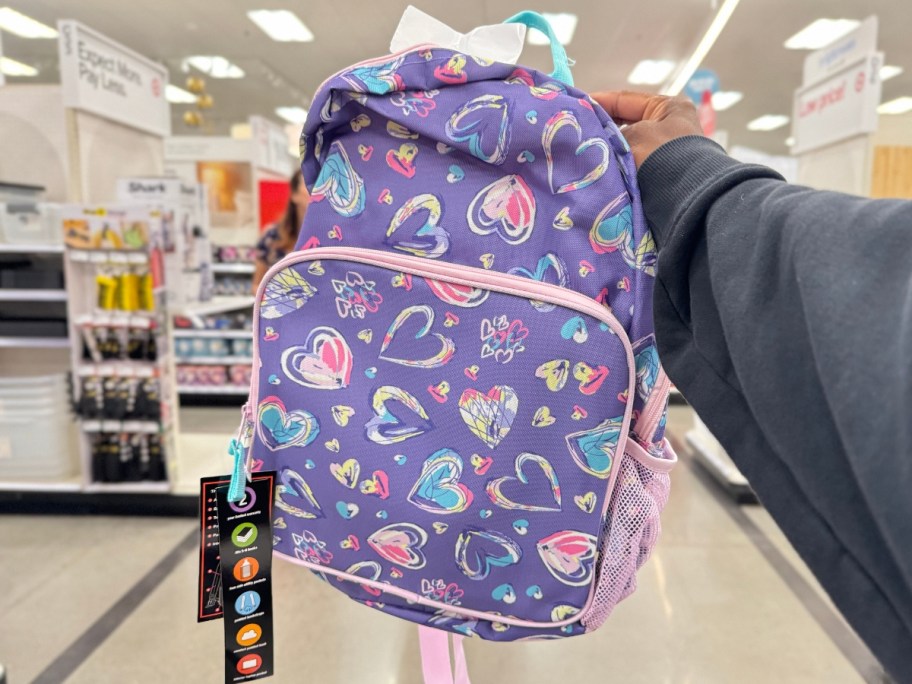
[{"x": 784, "y": 315}]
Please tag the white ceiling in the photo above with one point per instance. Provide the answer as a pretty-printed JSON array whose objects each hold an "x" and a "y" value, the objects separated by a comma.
[{"x": 610, "y": 39}]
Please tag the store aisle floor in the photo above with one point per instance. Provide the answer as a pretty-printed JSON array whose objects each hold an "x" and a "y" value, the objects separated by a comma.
[{"x": 111, "y": 600}]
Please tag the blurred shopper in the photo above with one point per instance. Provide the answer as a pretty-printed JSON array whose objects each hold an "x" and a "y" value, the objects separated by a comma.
[
  {"x": 279, "y": 239},
  {"x": 784, "y": 315}
]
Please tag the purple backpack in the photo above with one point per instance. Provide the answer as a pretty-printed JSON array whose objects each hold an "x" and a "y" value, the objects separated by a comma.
[{"x": 455, "y": 375}]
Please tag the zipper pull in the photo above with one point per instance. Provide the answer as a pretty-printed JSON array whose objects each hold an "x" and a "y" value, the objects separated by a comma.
[{"x": 239, "y": 448}]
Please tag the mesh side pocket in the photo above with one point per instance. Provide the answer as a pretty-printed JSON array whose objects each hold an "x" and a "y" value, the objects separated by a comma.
[{"x": 640, "y": 493}]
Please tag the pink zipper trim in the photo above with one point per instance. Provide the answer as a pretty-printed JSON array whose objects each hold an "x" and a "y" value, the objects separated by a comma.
[
  {"x": 645, "y": 428},
  {"x": 471, "y": 276}
]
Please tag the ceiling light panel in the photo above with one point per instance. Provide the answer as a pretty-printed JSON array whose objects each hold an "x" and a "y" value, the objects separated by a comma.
[
  {"x": 726, "y": 99},
  {"x": 283, "y": 26},
  {"x": 24, "y": 26},
  {"x": 651, "y": 72},
  {"x": 888, "y": 71},
  {"x": 177, "y": 95},
  {"x": 820, "y": 33},
  {"x": 768, "y": 122},
  {"x": 564, "y": 25},
  {"x": 215, "y": 66},
  {"x": 11, "y": 67},
  {"x": 900, "y": 105},
  {"x": 294, "y": 115}
]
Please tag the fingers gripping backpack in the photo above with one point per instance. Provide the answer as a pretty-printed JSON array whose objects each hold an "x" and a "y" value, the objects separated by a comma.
[{"x": 456, "y": 378}]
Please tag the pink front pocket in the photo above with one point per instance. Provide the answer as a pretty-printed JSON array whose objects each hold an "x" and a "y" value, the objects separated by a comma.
[{"x": 640, "y": 493}]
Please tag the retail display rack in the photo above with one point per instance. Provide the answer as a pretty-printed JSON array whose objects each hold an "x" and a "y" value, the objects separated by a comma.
[{"x": 123, "y": 371}]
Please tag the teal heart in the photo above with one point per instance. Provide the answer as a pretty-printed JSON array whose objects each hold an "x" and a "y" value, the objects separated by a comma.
[
  {"x": 532, "y": 116},
  {"x": 371, "y": 372},
  {"x": 347, "y": 510},
  {"x": 575, "y": 329},
  {"x": 593, "y": 450},
  {"x": 382, "y": 515},
  {"x": 603, "y": 327},
  {"x": 505, "y": 593},
  {"x": 438, "y": 490},
  {"x": 309, "y": 464},
  {"x": 400, "y": 459},
  {"x": 534, "y": 591},
  {"x": 455, "y": 174},
  {"x": 485, "y": 513},
  {"x": 281, "y": 429},
  {"x": 526, "y": 156},
  {"x": 521, "y": 526},
  {"x": 274, "y": 379}
]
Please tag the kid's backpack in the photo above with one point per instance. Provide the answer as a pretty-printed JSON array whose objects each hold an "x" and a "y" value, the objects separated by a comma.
[{"x": 455, "y": 375}]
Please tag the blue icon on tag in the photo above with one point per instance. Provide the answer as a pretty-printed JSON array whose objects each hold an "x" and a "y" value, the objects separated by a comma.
[{"x": 247, "y": 603}]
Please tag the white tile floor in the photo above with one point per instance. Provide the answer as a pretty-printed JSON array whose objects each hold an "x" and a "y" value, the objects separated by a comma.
[{"x": 710, "y": 608}]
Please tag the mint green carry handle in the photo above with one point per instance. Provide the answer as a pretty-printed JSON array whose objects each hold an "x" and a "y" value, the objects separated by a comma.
[{"x": 558, "y": 54}]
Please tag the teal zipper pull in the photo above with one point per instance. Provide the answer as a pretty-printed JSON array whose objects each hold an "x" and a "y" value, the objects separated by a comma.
[{"x": 237, "y": 449}]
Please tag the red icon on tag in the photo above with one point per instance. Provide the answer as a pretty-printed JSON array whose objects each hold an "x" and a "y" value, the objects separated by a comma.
[{"x": 249, "y": 664}]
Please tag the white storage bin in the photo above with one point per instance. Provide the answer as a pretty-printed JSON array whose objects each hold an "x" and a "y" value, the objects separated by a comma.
[
  {"x": 30, "y": 224},
  {"x": 35, "y": 444}
]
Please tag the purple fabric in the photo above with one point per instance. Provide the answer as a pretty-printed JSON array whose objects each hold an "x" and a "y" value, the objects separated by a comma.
[{"x": 448, "y": 399}]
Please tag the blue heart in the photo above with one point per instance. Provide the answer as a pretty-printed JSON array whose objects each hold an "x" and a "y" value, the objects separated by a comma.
[
  {"x": 593, "y": 450},
  {"x": 274, "y": 379},
  {"x": 534, "y": 591},
  {"x": 438, "y": 489},
  {"x": 574, "y": 328},
  {"x": 371, "y": 372},
  {"x": 505, "y": 593},
  {"x": 382, "y": 515},
  {"x": 339, "y": 183},
  {"x": 455, "y": 174},
  {"x": 309, "y": 464},
  {"x": 280, "y": 429},
  {"x": 400, "y": 459},
  {"x": 346, "y": 510},
  {"x": 483, "y": 123},
  {"x": 521, "y": 526},
  {"x": 532, "y": 116}
]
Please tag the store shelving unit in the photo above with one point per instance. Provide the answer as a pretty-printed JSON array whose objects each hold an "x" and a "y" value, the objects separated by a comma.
[
  {"x": 232, "y": 269},
  {"x": 712, "y": 456}
]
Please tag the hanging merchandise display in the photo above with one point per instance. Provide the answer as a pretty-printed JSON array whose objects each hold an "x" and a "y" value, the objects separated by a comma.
[
  {"x": 507, "y": 479},
  {"x": 123, "y": 389}
]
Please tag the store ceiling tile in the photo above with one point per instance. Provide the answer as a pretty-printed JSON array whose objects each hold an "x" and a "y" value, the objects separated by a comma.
[{"x": 610, "y": 39}]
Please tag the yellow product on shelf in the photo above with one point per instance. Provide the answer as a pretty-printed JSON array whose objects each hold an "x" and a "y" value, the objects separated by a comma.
[
  {"x": 107, "y": 291},
  {"x": 146, "y": 293},
  {"x": 128, "y": 292},
  {"x": 107, "y": 237}
]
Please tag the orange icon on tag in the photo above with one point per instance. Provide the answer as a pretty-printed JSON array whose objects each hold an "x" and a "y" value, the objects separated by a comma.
[
  {"x": 246, "y": 569},
  {"x": 249, "y": 634}
]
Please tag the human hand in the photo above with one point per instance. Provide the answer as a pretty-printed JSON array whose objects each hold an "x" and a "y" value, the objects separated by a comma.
[{"x": 651, "y": 120}]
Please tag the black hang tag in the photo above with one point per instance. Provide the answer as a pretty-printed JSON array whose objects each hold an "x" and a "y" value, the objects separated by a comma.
[{"x": 245, "y": 550}]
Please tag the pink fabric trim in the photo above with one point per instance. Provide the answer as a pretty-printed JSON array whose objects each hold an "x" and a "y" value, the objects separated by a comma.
[
  {"x": 435, "y": 657},
  {"x": 646, "y": 426},
  {"x": 473, "y": 277},
  {"x": 647, "y": 460}
]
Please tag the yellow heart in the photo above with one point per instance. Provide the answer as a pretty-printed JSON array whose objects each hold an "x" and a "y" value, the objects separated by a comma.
[
  {"x": 440, "y": 527},
  {"x": 543, "y": 417},
  {"x": 554, "y": 373},
  {"x": 366, "y": 335},
  {"x": 563, "y": 221},
  {"x": 279, "y": 523},
  {"x": 341, "y": 414},
  {"x": 316, "y": 268},
  {"x": 586, "y": 502},
  {"x": 333, "y": 445},
  {"x": 347, "y": 472},
  {"x": 487, "y": 260}
]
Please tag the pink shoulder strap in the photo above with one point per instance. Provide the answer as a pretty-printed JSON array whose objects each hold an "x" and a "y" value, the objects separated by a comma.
[{"x": 435, "y": 657}]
